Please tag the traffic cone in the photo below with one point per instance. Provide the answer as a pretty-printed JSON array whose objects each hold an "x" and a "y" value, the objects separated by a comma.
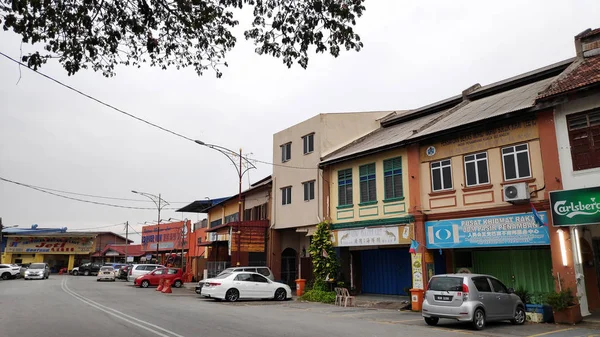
[
  {"x": 167, "y": 287},
  {"x": 161, "y": 284}
]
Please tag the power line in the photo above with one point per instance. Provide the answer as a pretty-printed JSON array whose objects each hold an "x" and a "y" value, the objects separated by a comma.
[
  {"x": 141, "y": 119},
  {"x": 77, "y": 199}
]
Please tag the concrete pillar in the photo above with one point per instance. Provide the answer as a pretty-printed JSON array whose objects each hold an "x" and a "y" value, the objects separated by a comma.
[
  {"x": 274, "y": 253},
  {"x": 71, "y": 264},
  {"x": 38, "y": 258}
]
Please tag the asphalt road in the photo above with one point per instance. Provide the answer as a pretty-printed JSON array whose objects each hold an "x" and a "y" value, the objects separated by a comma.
[{"x": 69, "y": 306}]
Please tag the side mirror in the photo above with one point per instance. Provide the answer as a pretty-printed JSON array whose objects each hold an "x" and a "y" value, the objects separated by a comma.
[{"x": 511, "y": 290}]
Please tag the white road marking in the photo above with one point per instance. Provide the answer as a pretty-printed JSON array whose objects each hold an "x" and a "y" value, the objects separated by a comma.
[{"x": 118, "y": 314}]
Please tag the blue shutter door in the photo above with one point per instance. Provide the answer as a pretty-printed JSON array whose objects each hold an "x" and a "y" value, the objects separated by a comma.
[{"x": 386, "y": 271}]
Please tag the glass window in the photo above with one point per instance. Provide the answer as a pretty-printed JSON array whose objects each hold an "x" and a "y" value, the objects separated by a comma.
[
  {"x": 259, "y": 278},
  {"x": 232, "y": 217},
  {"x": 243, "y": 277},
  {"x": 309, "y": 190},
  {"x": 308, "y": 142},
  {"x": 368, "y": 190},
  {"x": 286, "y": 152},
  {"x": 446, "y": 284},
  {"x": 482, "y": 284},
  {"x": 584, "y": 139},
  {"x": 286, "y": 195},
  {"x": 263, "y": 271},
  {"x": 515, "y": 160},
  {"x": 159, "y": 272},
  {"x": 441, "y": 175},
  {"x": 498, "y": 286},
  {"x": 172, "y": 271},
  {"x": 223, "y": 275},
  {"x": 392, "y": 176},
  {"x": 476, "y": 169},
  {"x": 345, "y": 187}
]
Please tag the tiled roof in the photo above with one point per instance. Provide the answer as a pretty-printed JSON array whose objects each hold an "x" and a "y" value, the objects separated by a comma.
[
  {"x": 581, "y": 73},
  {"x": 132, "y": 250}
]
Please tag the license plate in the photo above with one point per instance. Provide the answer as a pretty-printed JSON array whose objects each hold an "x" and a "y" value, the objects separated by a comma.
[
  {"x": 443, "y": 298},
  {"x": 106, "y": 273}
]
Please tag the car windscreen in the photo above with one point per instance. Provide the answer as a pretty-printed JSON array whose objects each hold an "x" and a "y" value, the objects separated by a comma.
[
  {"x": 106, "y": 269},
  {"x": 37, "y": 266},
  {"x": 446, "y": 284}
]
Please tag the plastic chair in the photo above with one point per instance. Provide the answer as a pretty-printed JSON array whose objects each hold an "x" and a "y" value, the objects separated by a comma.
[
  {"x": 338, "y": 296},
  {"x": 346, "y": 296}
]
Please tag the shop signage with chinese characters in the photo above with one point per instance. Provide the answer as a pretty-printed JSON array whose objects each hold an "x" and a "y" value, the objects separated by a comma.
[
  {"x": 372, "y": 236},
  {"x": 492, "y": 231},
  {"x": 29, "y": 245},
  {"x": 417, "y": 271},
  {"x": 169, "y": 236},
  {"x": 575, "y": 207}
]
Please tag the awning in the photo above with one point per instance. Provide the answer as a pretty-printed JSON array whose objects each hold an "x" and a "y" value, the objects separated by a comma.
[{"x": 200, "y": 206}]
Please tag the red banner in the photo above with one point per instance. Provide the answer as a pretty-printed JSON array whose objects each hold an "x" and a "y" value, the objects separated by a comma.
[{"x": 168, "y": 235}]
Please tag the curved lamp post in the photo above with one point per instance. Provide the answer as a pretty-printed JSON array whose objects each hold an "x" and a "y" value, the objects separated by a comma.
[
  {"x": 242, "y": 165},
  {"x": 160, "y": 204}
]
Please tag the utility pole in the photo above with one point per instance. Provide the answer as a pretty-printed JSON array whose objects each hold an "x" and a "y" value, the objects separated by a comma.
[
  {"x": 240, "y": 211},
  {"x": 183, "y": 242},
  {"x": 126, "y": 239},
  {"x": 160, "y": 203},
  {"x": 158, "y": 233}
]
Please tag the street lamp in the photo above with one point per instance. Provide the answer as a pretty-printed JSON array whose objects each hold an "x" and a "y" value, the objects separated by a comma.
[
  {"x": 241, "y": 167},
  {"x": 160, "y": 204}
]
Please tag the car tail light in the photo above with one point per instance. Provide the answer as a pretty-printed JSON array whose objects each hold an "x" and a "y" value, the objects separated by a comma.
[
  {"x": 214, "y": 284},
  {"x": 465, "y": 290},
  {"x": 130, "y": 271}
]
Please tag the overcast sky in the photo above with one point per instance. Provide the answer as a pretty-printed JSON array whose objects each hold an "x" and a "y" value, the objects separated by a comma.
[{"x": 415, "y": 53}]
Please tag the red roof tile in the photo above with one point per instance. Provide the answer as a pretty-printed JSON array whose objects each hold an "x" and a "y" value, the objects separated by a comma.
[
  {"x": 580, "y": 74},
  {"x": 132, "y": 250}
]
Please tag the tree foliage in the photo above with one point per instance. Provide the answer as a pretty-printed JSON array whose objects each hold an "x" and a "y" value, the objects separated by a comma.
[
  {"x": 324, "y": 260},
  {"x": 100, "y": 34}
]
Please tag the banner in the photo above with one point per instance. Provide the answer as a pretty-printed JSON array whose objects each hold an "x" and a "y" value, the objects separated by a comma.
[
  {"x": 169, "y": 237},
  {"x": 491, "y": 231},
  {"x": 372, "y": 236},
  {"x": 575, "y": 207},
  {"x": 417, "y": 271},
  {"x": 27, "y": 245}
]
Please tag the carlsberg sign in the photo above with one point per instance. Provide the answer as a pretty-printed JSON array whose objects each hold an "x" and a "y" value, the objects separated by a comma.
[{"x": 576, "y": 207}]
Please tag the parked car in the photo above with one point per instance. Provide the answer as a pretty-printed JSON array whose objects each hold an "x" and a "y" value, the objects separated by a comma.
[
  {"x": 88, "y": 269},
  {"x": 74, "y": 271},
  {"x": 264, "y": 271},
  {"x": 116, "y": 267},
  {"x": 8, "y": 271},
  {"x": 137, "y": 270},
  {"x": 123, "y": 271},
  {"x": 473, "y": 298},
  {"x": 244, "y": 285},
  {"x": 175, "y": 275},
  {"x": 38, "y": 271},
  {"x": 106, "y": 273}
]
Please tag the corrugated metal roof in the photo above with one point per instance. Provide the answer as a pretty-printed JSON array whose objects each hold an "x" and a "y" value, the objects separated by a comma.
[
  {"x": 382, "y": 137},
  {"x": 492, "y": 106}
]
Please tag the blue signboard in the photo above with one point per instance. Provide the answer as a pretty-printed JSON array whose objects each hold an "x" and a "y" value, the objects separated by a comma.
[{"x": 490, "y": 231}]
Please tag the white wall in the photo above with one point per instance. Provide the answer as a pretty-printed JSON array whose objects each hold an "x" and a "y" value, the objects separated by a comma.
[{"x": 573, "y": 179}]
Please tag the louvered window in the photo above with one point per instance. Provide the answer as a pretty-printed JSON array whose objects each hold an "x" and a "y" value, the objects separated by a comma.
[
  {"x": 368, "y": 191},
  {"x": 345, "y": 187},
  {"x": 392, "y": 176},
  {"x": 584, "y": 137}
]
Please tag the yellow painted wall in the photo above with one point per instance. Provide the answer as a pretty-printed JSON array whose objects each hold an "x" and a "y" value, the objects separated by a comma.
[
  {"x": 231, "y": 207},
  {"x": 382, "y": 209},
  {"x": 462, "y": 198}
]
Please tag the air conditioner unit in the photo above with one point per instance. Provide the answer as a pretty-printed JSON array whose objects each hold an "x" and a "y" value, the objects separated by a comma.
[{"x": 516, "y": 193}]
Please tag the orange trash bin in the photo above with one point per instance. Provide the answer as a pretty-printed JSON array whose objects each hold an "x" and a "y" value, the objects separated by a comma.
[
  {"x": 300, "y": 283},
  {"x": 416, "y": 299}
]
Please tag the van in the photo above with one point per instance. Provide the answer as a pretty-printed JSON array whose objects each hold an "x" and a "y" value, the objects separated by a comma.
[{"x": 138, "y": 270}]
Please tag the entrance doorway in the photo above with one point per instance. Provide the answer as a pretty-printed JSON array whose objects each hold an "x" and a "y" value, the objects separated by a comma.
[
  {"x": 56, "y": 262},
  {"x": 288, "y": 266}
]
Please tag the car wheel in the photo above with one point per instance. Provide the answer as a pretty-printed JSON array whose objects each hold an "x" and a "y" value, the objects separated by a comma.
[
  {"x": 479, "y": 319},
  {"x": 280, "y": 294},
  {"x": 432, "y": 320},
  {"x": 178, "y": 284},
  {"x": 232, "y": 295},
  {"x": 5, "y": 276},
  {"x": 519, "y": 316},
  {"x": 75, "y": 273},
  {"x": 86, "y": 273},
  {"x": 145, "y": 284}
]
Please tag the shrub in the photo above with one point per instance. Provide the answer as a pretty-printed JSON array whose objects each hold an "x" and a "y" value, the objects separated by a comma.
[
  {"x": 316, "y": 295},
  {"x": 525, "y": 295},
  {"x": 560, "y": 300}
]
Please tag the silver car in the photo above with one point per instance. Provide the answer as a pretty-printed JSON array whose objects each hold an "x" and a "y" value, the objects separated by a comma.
[
  {"x": 471, "y": 298},
  {"x": 37, "y": 271}
]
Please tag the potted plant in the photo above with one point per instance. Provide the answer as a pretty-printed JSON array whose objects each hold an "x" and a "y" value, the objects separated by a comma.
[{"x": 565, "y": 307}]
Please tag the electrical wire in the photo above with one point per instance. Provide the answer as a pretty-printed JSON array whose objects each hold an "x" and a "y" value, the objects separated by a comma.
[
  {"x": 77, "y": 199},
  {"x": 141, "y": 119}
]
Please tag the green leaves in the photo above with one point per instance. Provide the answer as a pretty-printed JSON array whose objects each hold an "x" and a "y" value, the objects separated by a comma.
[
  {"x": 325, "y": 264},
  {"x": 194, "y": 33}
]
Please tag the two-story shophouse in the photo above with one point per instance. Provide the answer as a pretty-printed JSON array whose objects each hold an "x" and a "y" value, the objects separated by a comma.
[
  {"x": 298, "y": 194},
  {"x": 231, "y": 240},
  {"x": 471, "y": 170},
  {"x": 575, "y": 100}
]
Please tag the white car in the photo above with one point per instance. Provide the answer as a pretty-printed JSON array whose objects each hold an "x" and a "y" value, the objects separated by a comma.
[
  {"x": 8, "y": 271},
  {"x": 138, "y": 270},
  {"x": 244, "y": 285},
  {"x": 106, "y": 274}
]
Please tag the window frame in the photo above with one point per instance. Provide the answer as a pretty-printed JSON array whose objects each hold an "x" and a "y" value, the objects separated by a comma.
[
  {"x": 347, "y": 177},
  {"x": 311, "y": 196},
  {"x": 440, "y": 168},
  {"x": 475, "y": 161},
  {"x": 371, "y": 178},
  {"x": 393, "y": 176},
  {"x": 588, "y": 129},
  {"x": 307, "y": 141},
  {"x": 286, "y": 199},
  {"x": 514, "y": 154},
  {"x": 286, "y": 152}
]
